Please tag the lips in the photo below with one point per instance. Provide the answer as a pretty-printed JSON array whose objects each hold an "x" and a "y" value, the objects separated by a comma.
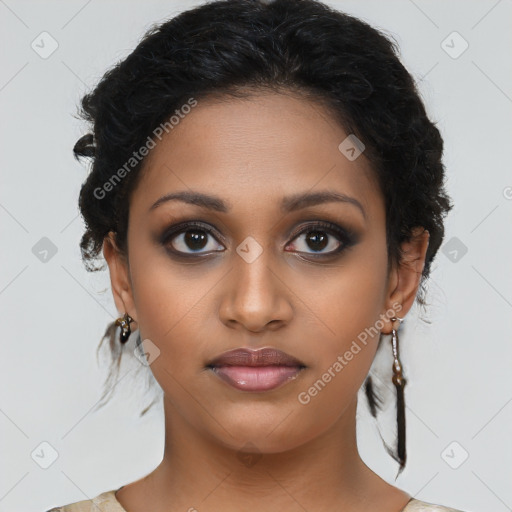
[
  {"x": 251, "y": 357},
  {"x": 256, "y": 370}
]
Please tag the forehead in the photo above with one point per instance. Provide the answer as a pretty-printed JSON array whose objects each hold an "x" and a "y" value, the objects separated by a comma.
[{"x": 254, "y": 150}]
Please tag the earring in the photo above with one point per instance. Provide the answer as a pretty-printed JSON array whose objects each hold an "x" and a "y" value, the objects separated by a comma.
[
  {"x": 399, "y": 381},
  {"x": 124, "y": 323}
]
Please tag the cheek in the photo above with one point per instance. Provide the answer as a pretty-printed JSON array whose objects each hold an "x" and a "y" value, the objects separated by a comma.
[
  {"x": 171, "y": 301},
  {"x": 164, "y": 312},
  {"x": 348, "y": 308},
  {"x": 344, "y": 355},
  {"x": 348, "y": 304}
]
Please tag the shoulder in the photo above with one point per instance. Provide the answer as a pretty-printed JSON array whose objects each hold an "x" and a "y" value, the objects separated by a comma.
[
  {"x": 423, "y": 506},
  {"x": 104, "y": 502}
]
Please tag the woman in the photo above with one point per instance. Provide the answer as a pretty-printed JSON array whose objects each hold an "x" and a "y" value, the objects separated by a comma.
[{"x": 268, "y": 193}]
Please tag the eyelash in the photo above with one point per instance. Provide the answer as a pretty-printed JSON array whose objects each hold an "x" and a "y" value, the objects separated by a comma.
[{"x": 346, "y": 237}]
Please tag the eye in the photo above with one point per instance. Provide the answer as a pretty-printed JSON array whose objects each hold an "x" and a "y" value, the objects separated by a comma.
[
  {"x": 323, "y": 238},
  {"x": 192, "y": 238},
  {"x": 197, "y": 238}
]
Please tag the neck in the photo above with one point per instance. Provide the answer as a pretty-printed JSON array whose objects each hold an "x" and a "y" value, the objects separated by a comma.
[{"x": 321, "y": 473}]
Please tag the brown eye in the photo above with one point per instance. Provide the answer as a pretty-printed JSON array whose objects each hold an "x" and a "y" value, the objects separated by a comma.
[
  {"x": 321, "y": 239},
  {"x": 316, "y": 241},
  {"x": 192, "y": 239}
]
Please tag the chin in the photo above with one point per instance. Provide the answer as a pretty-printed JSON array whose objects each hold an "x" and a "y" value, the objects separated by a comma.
[{"x": 270, "y": 433}]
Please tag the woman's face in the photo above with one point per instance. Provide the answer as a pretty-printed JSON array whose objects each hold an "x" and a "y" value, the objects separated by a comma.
[{"x": 257, "y": 271}]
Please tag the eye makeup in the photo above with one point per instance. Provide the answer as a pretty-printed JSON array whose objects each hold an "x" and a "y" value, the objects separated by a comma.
[{"x": 178, "y": 238}]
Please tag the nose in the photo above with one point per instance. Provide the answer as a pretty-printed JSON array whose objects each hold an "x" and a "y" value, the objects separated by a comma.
[{"x": 256, "y": 297}]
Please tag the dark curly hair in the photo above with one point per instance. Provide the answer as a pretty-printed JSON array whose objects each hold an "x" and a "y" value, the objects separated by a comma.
[{"x": 235, "y": 48}]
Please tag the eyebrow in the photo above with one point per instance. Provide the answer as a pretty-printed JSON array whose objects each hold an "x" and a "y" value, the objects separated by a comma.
[{"x": 289, "y": 203}]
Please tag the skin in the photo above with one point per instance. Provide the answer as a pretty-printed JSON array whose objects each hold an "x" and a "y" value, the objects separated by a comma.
[{"x": 251, "y": 153}]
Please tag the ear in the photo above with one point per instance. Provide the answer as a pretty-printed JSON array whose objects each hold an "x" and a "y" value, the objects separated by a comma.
[
  {"x": 404, "y": 278},
  {"x": 119, "y": 278}
]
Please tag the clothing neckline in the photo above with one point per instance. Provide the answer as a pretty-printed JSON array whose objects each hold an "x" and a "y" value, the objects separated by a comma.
[
  {"x": 117, "y": 501},
  {"x": 112, "y": 494},
  {"x": 410, "y": 502}
]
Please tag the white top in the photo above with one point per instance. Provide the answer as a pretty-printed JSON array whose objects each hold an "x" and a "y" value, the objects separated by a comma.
[{"x": 107, "y": 502}]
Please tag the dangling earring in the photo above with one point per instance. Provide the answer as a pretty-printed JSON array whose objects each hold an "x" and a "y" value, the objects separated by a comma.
[
  {"x": 399, "y": 381},
  {"x": 375, "y": 401},
  {"x": 124, "y": 323}
]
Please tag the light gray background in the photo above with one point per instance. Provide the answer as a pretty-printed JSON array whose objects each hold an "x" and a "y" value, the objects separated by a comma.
[{"x": 54, "y": 313}]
